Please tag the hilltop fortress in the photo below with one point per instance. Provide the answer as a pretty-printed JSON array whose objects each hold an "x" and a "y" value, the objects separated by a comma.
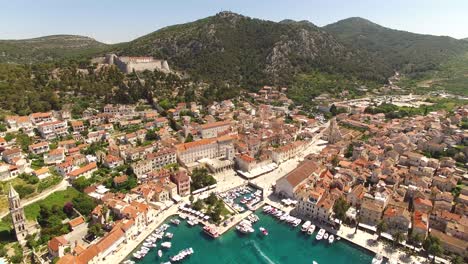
[{"x": 130, "y": 64}]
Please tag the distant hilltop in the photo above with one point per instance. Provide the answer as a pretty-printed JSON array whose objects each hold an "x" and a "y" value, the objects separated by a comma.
[{"x": 129, "y": 64}]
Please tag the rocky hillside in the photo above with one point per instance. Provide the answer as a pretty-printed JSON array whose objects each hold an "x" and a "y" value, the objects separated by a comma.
[
  {"x": 48, "y": 48},
  {"x": 401, "y": 50},
  {"x": 249, "y": 51}
]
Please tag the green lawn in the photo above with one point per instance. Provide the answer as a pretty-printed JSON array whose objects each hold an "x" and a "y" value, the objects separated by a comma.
[{"x": 57, "y": 198}]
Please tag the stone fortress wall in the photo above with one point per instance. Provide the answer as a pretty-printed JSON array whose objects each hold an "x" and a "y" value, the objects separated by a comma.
[{"x": 130, "y": 64}]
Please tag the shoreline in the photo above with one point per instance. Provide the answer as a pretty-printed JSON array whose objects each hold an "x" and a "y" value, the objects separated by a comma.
[
  {"x": 126, "y": 249},
  {"x": 357, "y": 241}
]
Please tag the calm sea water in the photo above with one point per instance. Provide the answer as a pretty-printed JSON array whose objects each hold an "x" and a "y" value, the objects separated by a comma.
[{"x": 284, "y": 244}]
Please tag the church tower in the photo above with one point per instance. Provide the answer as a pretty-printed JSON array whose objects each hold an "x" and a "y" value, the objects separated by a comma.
[
  {"x": 17, "y": 215},
  {"x": 332, "y": 134}
]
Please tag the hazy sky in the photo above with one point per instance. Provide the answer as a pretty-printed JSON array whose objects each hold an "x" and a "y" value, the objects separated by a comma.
[{"x": 113, "y": 21}]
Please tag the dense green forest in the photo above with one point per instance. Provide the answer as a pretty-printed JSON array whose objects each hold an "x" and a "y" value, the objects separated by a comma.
[{"x": 404, "y": 51}]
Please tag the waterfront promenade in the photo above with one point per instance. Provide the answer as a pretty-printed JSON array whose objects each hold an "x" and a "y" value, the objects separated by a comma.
[{"x": 126, "y": 248}]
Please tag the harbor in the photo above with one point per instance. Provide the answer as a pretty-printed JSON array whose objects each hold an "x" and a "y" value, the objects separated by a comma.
[{"x": 258, "y": 245}]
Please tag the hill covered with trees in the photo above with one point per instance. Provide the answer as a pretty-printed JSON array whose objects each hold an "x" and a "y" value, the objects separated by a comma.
[
  {"x": 49, "y": 48},
  {"x": 404, "y": 51},
  {"x": 252, "y": 52}
]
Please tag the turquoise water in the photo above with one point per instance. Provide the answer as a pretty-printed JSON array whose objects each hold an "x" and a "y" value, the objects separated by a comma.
[{"x": 284, "y": 244}]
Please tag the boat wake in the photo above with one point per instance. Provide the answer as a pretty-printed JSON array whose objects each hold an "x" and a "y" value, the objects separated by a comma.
[{"x": 260, "y": 252}]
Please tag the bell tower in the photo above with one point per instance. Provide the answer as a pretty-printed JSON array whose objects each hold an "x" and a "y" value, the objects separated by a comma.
[{"x": 17, "y": 215}]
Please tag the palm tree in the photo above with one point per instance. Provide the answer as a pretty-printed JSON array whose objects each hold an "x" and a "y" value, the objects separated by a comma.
[
  {"x": 398, "y": 237},
  {"x": 381, "y": 227},
  {"x": 358, "y": 219},
  {"x": 417, "y": 239}
]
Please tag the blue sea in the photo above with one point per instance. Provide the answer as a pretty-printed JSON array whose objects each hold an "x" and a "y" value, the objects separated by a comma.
[{"x": 284, "y": 244}]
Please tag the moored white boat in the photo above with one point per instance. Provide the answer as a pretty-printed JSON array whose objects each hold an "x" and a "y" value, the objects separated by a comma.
[
  {"x": 305, "y": 226},
  {"x": 325, "y": 236},
  {"x": 378, "y": 259},
  {"x": 320, "y": 234},
  {"x": 331, "y": 238},
  {"x": 297, "y": 222},
  {"x": 166, "y": 244},
  {"x": 160, "y": 253},
  {"x": 311, "y": 230},
  {"x": 175, "y": 221}
]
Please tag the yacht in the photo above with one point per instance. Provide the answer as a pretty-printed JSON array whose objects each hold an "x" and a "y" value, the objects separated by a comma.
[
  {"x": 150, "y": 245},
  {"x": 245, "y": 227},
  {"x": 331, "y": 238},
  {"x": 284, "y": 217},
  {"x": 320, "y": 234},
  {"x": 211, "y": 231},
  {"x": 166, "y": 244},
  {"x": 311, "y": 230},
  {"x": 297, "y": 222},
  {"x": 325, "y": 236},
  {"x": 175, "y": 221},
  {"x": 305, "y": 226},
  {"x": 378, "y": 259},
  {"x": 169, "y": 235}
]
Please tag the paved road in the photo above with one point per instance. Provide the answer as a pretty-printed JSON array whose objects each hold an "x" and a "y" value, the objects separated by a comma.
[{"x": 59, "y": 187}]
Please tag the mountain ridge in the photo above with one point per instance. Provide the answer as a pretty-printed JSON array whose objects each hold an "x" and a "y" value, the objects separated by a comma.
[
  {"x": 249, "y": 51},
  {"x": 236, "y": 46},
  {"x": 403, "y": 50},
  {"x": 48, "y": 48}
]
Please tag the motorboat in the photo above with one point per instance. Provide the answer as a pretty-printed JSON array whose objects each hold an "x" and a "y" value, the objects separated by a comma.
[
  {"x": 264, "y": 231},
  {"x": 211, "y": 231},
  {"x": 305, "y": 226},
  {"x": 297, "y": 222},
  {"x": 169, "y": 235},
  {"x": 245, "y": 227},
  {"x": 378, "y": 259},
  {"x": 182, "y": 254},
  {"x": 166, "y": 244},
  {"x": 128, "y": 261},
  {"x": 325, "y": 236},
  {"x": 331, "y": 238},
  {"x": 284, "y": 217},
  {"x": 314, "y": 262},
  {"x": 150, "y": 245},
  {"x": 320, "y": 234},
  {"x": 137, "y": 255},
  {"x": 311, "y": 230},
  {"x": 175, "y": 222},
  {"x": 145, "y": 249}
]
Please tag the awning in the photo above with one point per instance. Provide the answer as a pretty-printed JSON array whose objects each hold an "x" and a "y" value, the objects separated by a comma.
[
  {"x": 369, "y": 227},
  {"x": 387, "y": 236}
]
